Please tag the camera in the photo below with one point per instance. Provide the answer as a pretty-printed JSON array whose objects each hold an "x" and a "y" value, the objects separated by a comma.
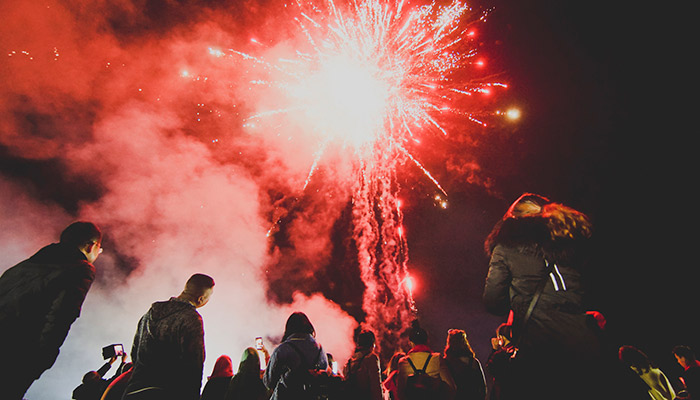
[
  {"x": 258, "y": 343},
  {"x": 113, "y": 350}
]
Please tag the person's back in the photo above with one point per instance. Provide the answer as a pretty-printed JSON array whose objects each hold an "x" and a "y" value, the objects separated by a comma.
[
  {"x": 168, "y": 351},
  {"x": 362, "y": 371},
  {"x": 218, "y": 381},
  {"x": 421, "y": 358},
  {"x": 247, "y": 384},
  {"x": 40, "y": 298},
  {"x": 298, "y": 352}
]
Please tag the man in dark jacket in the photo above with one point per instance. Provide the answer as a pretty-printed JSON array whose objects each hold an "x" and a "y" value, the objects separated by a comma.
[
  {"x": 168, "y": 350},
  {"x": 39, "y": 300}
]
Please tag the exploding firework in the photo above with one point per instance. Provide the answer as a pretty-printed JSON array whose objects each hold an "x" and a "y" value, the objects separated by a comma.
[{"x": 373, "y": 79}]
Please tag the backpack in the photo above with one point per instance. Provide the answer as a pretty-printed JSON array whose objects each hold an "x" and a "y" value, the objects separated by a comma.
[
  {"x": 350, "y": 390},
  {"x": 420, "y": 385},
  {"x": 309, "y": 383}
]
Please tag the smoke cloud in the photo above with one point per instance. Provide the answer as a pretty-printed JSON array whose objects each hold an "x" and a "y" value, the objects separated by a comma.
[{"x": 121, "y": 113}]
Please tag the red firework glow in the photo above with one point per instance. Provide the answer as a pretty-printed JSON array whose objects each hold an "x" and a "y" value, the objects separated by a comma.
[
  {"x": 132, "y": 116},
  {"x": 373, "y": 79}
]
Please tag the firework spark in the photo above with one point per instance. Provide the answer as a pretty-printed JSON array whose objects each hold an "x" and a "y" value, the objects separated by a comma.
[{"x": 374, "y": 78}]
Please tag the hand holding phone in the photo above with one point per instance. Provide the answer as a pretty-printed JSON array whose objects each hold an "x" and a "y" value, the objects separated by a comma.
[{"x": 258, "y": 343}]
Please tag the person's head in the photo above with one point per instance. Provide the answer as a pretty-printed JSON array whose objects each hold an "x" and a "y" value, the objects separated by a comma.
[
  {"x": 223, "y": 367},
  {"x": 393, "y": 364},
  {"x": 198, "y": 290},
  {"x": 684, "y": 355},
  {"x": 634, "y": 358},
  {"x": 250, "y": 362},
  {"x": 457, "y": 344},
  {"x": 416, "y": 334},
  {"x": 298, "y": 323},
  {"x": 85, "y": 236},
  {"x": 91, "y": 376},
  {"x": 365, "y": 339},
  {"x": 527, "y": 204}
]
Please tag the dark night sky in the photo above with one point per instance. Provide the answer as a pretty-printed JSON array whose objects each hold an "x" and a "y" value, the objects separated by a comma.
[{"x": 589, "y": 138}]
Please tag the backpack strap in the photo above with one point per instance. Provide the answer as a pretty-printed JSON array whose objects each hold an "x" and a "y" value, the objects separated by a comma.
[{"x": 425, "y": 366}]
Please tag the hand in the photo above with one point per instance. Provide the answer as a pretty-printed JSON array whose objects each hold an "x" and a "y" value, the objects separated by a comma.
[
  {"x": 496, "y": 343},
  {"x": 113, "y": 359}
]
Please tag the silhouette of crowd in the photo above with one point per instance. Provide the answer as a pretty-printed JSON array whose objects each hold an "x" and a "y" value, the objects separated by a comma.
[{"x": 548, "y": 346}]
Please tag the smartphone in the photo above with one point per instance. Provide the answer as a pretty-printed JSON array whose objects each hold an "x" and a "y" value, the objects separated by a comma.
[
  {"x": 258, "y": 343},
  {"x": 334, "y": 367}
]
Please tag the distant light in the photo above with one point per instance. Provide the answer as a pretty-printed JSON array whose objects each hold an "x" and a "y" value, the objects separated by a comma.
[
  {"x": 513, "y": 114},
  {"x": 184, "y": 74}
]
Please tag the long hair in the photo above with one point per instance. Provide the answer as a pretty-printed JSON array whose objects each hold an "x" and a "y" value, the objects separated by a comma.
[
  {"x": 458, "y": 345},
  {"x": 538, "y": 219}
]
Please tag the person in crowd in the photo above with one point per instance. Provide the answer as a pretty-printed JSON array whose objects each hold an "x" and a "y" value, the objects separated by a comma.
[
  {"x": 691, "y": 370},
  {"x": 420, "y": 357},
  {"x": 362, "y": 371},
  {"x": 115, "y": 389},
  {"x": 93, "y": 384},
  {"x": 218, "y": 381},
  {"x": 465, "y": 368},
  {"x": 247, "y": 384},
  {"x": 391, "y": 373},
  {"x": 40, "y": 298},
  {"x": 658, "y": 385},
  {"x": 502, "y": 364},
  {"x": 168, "y": 350},
  {"x": 299, "y": 349},
  {"x": 542, "y": 245}
]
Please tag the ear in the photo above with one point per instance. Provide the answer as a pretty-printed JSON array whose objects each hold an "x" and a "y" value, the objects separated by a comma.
[{"x": 89, "y": 247}]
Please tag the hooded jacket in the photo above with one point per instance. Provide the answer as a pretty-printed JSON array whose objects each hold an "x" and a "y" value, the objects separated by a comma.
[
  {"x": 40, "y": 298},
  {"x": 168, "y": 351}
]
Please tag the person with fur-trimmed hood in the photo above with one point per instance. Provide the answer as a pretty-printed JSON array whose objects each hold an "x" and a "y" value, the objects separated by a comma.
[{"x": 536, "y": 241}]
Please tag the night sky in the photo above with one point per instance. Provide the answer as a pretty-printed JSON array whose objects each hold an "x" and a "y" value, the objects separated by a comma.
[{"x": 596, "y": 133}]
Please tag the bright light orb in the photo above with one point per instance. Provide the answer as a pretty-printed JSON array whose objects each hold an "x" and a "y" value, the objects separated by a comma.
[
  {"x": 513, "y": 114},
  {"x": 346, "y": 100}
]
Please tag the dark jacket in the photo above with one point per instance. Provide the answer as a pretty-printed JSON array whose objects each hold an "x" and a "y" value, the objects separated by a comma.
[
  {"x": 39, "y": 300},
  {"x": 247, "y": 383},
  {"x": 168, "y": 351},
  {"x": 468, "y": 376},
  {"x": 285, "y": 359},
  {"x": 363, "y": 374},
  {"x": 520, "y": 252}
]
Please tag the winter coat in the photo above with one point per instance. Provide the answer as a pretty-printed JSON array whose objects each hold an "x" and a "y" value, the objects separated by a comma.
[
  {"x": 363, "y": 373},
  {"x": 285, "y": 358},
  {"x": 521, "y": 252},
  {"x": 39, "y": 300},
  {"x": 168, "y": 351},
  {"x": 468, "y": 377}
]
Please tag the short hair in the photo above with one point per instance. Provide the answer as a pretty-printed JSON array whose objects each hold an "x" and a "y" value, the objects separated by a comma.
[
  {"x": 365, "y": 339},
  {"x": 416, "y": 334},
  {"x": 684, "y": 351},
  {"x": 81, "y": 233},
  {"x": 198, "y": 284}
]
